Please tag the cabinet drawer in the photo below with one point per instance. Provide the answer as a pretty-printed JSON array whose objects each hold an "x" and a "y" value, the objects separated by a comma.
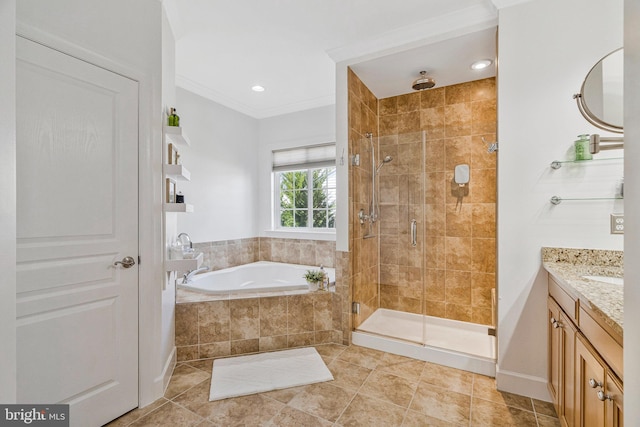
[
  {"x": 607, "y": 346},
  {"x": 568, "y": 304}
]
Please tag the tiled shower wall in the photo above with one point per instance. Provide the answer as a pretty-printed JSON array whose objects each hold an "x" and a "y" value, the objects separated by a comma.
[
  {"x": 459, "y": 223},
  {"x": 363, "y": 260}
]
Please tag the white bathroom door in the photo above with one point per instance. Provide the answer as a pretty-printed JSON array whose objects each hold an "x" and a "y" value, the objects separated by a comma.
[{"x": 77, "y": 214}]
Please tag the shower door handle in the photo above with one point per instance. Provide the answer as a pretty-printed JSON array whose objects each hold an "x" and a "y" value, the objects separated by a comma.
[{"x": 414, "y": 232}]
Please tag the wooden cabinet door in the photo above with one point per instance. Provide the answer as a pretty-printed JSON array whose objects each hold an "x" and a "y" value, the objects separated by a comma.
[
  {"x": 567, "y": 344},
  {"x": 553, "y": 317},
  {"x": 614, "y": 402},
  {"x": 590, "y": 378}
]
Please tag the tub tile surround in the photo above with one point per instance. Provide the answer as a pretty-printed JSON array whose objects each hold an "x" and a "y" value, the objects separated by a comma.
[
  {"x": 241, "y": 326},
  {"x": 370, "y": 388},
  {"x": 568, "y": 265},
  {"x": 231, "y": 253}
]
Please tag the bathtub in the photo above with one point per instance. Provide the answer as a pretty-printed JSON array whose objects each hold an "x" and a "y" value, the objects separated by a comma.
[{"x": 261, "y": 276}]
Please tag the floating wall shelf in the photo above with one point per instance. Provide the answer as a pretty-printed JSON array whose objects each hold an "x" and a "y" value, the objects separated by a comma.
[
  {"x": 177, "y": 172},
  {"x": 557, "y": 164},
  {"x": 184, "y": 264},
  {"x": 556, "y": 200},
  {"x": 175, "y": 135},
  {"x": 178, "y": 207}
]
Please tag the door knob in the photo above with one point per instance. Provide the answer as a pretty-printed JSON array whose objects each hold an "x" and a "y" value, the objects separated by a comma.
[{"x": 127, "y": 262}]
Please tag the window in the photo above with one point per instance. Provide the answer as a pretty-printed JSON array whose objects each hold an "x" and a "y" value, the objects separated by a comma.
[{"x": 305, "y": 188}]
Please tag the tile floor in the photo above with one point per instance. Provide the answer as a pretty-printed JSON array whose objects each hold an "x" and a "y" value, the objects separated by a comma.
[{"x": 371, "y": 388}]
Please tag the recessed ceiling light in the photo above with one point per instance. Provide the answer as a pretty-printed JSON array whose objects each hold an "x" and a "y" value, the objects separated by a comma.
[
  {"x": 257, "y": 88},
  {"x": 481, "y": 65}
]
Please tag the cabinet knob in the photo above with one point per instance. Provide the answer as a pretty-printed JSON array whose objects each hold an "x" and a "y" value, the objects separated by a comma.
[
  {"x": 594, "y": 384},
  {"x": 552, "y": 320},
  {"x": 602, "y": 397}
]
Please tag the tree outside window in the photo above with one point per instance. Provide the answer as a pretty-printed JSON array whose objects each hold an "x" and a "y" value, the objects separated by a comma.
[{"x": 303, "y": 206}]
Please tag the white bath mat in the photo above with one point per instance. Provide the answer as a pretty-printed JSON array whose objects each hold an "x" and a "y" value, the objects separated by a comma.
[{"x": 257, "y": 373}]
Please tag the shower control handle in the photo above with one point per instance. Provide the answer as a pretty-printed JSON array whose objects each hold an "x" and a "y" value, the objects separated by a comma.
[{"x": 414, "y": 233}]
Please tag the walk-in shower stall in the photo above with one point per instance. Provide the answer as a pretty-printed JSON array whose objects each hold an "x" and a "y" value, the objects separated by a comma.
[{"x": 422, "y": 234}]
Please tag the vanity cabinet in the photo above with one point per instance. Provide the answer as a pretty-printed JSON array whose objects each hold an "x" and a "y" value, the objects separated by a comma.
[
  {"x": 562, "y": 335},
  {"x": 585, "y": 364}
]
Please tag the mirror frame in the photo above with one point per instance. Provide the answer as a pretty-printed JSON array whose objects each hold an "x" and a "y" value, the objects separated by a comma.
[{"x": 584, "y": 110}]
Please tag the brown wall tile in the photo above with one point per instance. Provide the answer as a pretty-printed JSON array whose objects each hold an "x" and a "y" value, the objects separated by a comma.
[
  {"x": 245, "y": 346},
  {"x": 186, "y": 324},
  {"x": 245, "y": 319},
  {"x": 299, "y": 314},
  {"x": 213, "y": 321},
  {"x": 273, "y": 316}
]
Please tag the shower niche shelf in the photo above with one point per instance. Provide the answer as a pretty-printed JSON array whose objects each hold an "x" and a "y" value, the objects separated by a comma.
[
  {"x": 184, "y": 264},
  {"x": 178, "y": 207},
  {"x": 175, "y": 135},
  {"x": 177, "y": 172}
]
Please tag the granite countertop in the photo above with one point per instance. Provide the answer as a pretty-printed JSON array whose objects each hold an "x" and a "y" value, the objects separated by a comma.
[{"x": 568, "y": 266}]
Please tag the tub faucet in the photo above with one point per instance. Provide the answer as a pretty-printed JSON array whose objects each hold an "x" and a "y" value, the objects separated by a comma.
[
  {"x": 187, "y": 276},
  {"x": 181, "y": 235}
]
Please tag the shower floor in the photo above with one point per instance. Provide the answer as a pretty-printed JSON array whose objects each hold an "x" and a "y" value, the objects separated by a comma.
[{"x": 447, "y": 342}]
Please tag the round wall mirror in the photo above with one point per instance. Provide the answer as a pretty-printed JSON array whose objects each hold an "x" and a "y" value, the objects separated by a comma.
[{"x": 601, "y": 97}]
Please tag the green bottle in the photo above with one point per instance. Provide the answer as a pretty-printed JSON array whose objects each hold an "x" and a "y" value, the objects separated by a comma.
[
  {"x": 173, "y": 119},
  {"x": 582, "y": 148}
]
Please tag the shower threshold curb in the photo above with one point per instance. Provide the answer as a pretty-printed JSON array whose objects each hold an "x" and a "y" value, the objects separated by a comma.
[{"x": 453, "y": 359}]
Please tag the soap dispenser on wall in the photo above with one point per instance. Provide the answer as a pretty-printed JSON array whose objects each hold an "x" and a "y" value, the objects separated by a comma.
[
  {"x": 461, "y": 178},
  {"x": 461, "y": 175}
]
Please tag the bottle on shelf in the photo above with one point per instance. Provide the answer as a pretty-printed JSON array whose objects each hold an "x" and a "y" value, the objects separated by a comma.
[
  {"x": 173, "y": 119},
  {"x": 582, "y": 148}
]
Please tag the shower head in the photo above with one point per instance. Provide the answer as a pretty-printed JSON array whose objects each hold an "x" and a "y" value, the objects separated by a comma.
[
  {"x": 385, "y": 160},
  {"x": 423, "y": 82}
]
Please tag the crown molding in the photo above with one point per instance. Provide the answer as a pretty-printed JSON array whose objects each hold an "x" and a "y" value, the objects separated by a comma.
[
  {"x": 501, "y": 4},
  {"x": 215, "y": 96},
  {"x": 455, "y": 23}
]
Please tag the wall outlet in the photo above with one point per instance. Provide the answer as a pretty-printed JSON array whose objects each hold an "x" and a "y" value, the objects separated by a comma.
[{"x": 617, "y": 223}]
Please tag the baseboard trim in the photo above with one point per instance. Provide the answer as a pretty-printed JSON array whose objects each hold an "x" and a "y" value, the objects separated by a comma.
[
  {"x": 524, "y": 385},
  {"x": 168, "y": 370}
]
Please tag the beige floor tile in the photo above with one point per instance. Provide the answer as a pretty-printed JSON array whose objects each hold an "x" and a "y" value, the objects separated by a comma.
[
  {"x": 362, "y": 356},
  {"x": 544, "y": 408},
  {"x": 416, "y": 419},
  {"x": 347, "y": 375},
  {"x": 169, "y": 415},
  {"x": 204, "y": 365},
  {"x": 448, "y": 378},
  {"x": 251, "y": 410},
  {"x": 485, "y": 388},
  {"x": 442, "y": 404},
  {"x": 291, "y": 417},
  {"x": 390, "y": 388},
  {"x": 366, "y": 411},
  {"x": 544, "y": 421},
  {"x": 205, "y": 423},
  {"x": 136, "y": 414},
  {"x": 184, "y": 377},
  {"x": 485, "y": 413},
  {"x": 322, "y": 400},
  {"x": 330, "y": 350},
  {"x": 402, "y": 366},
  {"x": 285, "y": 395}
]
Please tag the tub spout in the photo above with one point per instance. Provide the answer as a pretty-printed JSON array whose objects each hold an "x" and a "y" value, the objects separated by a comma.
[{"x": 187, "y": 276}]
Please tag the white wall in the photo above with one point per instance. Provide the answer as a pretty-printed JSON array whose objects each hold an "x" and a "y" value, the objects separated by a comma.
[
  {"x": 308, "y": 127},
  {"x": 8, "y": 202},
  {"x": 632, "y": 195},
  {"x": 130, "y": 44},
  {"x": 223, "y": 162},
  {"x": 170, "y": 219},
  {"x": 546, "y": 48}
]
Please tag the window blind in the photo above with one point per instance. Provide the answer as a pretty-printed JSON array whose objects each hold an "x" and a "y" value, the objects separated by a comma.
[{"x": 314, "y": 156}]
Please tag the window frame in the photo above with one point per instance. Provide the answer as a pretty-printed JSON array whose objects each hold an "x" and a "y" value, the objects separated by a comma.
[{"x": 277, "y": 209}]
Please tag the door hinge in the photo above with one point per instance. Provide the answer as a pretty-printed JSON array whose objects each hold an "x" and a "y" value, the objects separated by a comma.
[
  {"x": 491, "y": 331},
  {"x": 138, "y": 259},
  {"x": 355, "y": 307}
]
